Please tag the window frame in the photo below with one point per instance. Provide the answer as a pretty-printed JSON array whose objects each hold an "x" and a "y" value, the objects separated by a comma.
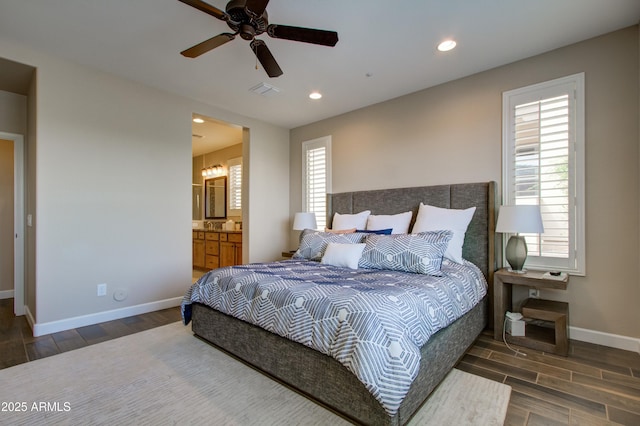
[
  {"x": 574, "y": 86},
  {"x": 322, "y": 142}
]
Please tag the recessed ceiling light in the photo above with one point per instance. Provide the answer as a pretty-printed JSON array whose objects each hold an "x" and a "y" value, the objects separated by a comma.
[
  {"x": 198, "y": 120},
  {"x": 315, "y": 95},
  {"x": 446, "y": 45}
]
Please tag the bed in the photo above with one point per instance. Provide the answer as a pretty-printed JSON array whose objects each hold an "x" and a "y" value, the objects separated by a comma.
[{"x": 322, "y": 377}]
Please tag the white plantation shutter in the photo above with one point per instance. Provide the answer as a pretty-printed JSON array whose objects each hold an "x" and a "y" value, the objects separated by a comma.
[
  {"x": 543, "y": 162},
  {"x": 316, "y": 177},
  {"x": 235, "y": 186}
]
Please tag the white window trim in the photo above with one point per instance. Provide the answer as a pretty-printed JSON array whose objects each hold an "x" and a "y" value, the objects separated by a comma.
[
  {"x": 577, "y": 167},
  {"x": 325, "y": 142},
  {"x": 230, "y": 163}
]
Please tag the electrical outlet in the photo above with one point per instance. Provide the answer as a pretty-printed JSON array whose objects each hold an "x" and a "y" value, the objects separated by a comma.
[
  {"x": 102, "y": 289},
  {"x": 534, "y": 293}
]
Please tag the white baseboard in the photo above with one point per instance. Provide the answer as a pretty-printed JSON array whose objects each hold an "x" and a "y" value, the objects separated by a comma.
[
  {"x": 29, "y": 316},
  {"x": 605, "y": 339},
  {"x": 6, "y": 294},
  {"x": 40, "y": 329}
]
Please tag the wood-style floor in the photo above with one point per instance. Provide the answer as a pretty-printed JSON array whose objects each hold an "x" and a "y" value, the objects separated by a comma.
[
  {"x": 594, "y": 385},
  {"x": 17, "y": 344}
]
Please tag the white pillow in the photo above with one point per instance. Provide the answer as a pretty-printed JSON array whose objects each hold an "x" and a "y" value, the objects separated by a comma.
[
  {"x": 432, "y": 218},
  {"x": 398, "y": 222},
  {"x": 348, "y": 221},
  {"x": 343, "y": 255}
]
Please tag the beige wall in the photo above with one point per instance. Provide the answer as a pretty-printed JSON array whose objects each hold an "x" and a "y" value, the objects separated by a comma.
[
  {"x": 452, "y": 133},
  {"x": 6, "y": 215},
  {"x": 13, "y": 119},
  {"x": 109, "y": 168}
]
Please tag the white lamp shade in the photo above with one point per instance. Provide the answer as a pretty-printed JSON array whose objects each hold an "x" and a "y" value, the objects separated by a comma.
[
  {"x": 304, "y": 220},
  {"x": 520, "y": 219}
]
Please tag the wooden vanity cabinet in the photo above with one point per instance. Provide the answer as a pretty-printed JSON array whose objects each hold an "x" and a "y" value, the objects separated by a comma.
[
  {"x": 198, "y": 238},
  {"x": 212, "y": 250},
  {"x": 230, "y": 249}
]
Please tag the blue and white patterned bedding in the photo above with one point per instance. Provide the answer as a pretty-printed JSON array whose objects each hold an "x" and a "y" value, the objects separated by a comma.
[{"x": 372, "y": 321}]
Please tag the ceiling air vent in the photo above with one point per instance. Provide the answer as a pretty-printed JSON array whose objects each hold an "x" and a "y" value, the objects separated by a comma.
[{"x": 265, "y": 89}]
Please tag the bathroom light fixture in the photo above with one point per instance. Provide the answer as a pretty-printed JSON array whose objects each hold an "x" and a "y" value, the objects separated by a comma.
[
  {"x": 198, "y": 120},
  {"x": 315, "y": 95},
  {"x": 213, "y": 171},
  {"x": 446, "y": 45}
]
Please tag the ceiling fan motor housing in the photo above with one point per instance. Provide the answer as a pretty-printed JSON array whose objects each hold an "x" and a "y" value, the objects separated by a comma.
[{"x": 241, "y": 22}]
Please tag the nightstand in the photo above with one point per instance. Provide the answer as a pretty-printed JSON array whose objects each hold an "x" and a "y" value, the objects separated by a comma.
[
  {"x": 288, "y": 254},
  {"x": 554, "y": 339}
]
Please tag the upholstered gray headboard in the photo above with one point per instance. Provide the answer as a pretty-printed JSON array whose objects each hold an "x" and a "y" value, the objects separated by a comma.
[{"x": 479, "y": 242}]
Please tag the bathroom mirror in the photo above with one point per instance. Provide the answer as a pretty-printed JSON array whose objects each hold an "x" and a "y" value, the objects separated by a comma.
[{"x": 215, "y": 198}]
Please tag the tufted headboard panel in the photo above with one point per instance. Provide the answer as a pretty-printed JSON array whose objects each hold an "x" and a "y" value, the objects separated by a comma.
[{"x": 479, "y": 243}]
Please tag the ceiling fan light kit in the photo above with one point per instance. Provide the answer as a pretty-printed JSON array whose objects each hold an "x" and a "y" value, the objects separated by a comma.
[{"x": 248, "y": 19}]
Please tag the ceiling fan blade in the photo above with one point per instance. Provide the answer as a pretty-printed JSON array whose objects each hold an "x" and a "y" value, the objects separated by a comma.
[
  {"x": 256, "y": 7},
  {"x": 207, "y": 8},
  {"x": 265, "y": 57},
  {"x": 307, "y": 35},
  {"x": 207, "y": 45}
]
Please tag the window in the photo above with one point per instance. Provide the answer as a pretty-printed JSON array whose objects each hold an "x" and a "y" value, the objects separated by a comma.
[
  {"x": 316, "y": 177},
  {"x": 235, "y": 186},
  {"x": 543, "y": 164}
]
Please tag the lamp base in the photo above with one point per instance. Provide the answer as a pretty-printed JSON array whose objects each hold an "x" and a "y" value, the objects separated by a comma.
[
  {"x": 516, "y": 254},
  {"x": 521, "y": 271}
]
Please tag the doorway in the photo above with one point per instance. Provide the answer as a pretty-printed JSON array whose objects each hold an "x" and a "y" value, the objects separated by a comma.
[
  {"x": 217, "y": 151},
  {"x": 12, "y": 230}
]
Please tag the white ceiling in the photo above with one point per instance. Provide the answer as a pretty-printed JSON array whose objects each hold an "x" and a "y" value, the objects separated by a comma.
[
  {"x": 213, "y": 135},
  {"x": 393, "y": 41}
]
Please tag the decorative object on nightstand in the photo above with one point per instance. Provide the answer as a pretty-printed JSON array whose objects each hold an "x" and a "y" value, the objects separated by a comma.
[
  {"x": 304, "y": 220},
  {"x": 518, "y": 219}
]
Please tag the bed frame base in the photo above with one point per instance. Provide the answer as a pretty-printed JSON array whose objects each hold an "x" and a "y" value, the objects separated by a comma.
[{"x": 326, "y": 381}]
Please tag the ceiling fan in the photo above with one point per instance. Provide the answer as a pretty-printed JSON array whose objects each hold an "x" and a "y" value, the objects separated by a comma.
[{"x": 248, "y": 19}]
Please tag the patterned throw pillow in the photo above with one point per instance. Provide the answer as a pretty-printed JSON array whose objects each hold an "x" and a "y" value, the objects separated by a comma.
[
  {"x": 314, "y": 243},
  {"x": 419, "y": 253}
]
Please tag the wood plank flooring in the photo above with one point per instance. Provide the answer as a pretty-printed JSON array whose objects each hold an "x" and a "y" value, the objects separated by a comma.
[
  {"x": 594, "y": 385},
  {"x": 17, "y": 344}
]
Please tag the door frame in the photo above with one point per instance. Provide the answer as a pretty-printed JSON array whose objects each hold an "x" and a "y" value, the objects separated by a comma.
[{"x": 18, "y": 220}]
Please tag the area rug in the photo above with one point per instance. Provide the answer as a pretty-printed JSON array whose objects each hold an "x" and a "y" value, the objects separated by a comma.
[{"x": 167, "y": 376}]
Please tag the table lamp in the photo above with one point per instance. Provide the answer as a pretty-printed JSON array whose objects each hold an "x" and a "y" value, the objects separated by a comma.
[
  {"x": 304, "y": 220},
  {"x": 515, "y": 220}
]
